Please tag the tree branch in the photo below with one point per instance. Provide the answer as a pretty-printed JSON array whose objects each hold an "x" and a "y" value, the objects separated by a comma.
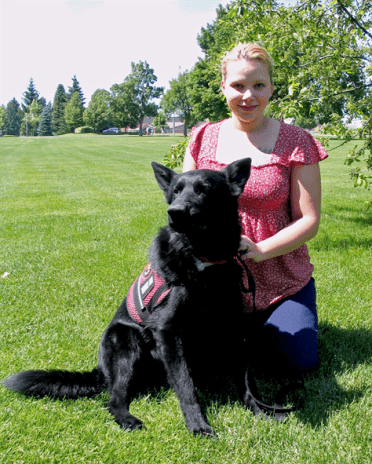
[
  {"x": 314, "y": 61},
  {"x": 358, "y": 133},
  {"x": 354, "y": 20}
]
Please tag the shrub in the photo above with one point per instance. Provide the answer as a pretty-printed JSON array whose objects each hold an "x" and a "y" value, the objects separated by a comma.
[
  {"x": 84, "y": 130},
  {"x": 176, "y": 154}
]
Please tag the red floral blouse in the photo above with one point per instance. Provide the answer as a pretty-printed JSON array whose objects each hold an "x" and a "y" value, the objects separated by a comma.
[{"x": 264, "y": 206}]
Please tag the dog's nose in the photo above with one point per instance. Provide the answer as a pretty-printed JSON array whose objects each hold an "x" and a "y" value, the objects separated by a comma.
[
  {"x": 176, "y": 211},
  {"x": 177, "y": 217}
]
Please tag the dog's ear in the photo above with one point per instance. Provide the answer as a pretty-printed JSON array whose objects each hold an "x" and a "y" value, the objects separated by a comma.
[
  {"x": 164, "y": 176},
  {"x": 237, "y": 174}
]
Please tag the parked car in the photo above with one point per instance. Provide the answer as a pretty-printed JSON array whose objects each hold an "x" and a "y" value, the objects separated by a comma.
[{"x": 111, "y": 130}]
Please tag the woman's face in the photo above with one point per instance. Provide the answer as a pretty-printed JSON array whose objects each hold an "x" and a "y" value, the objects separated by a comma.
[{"x": 247, "y": 89}]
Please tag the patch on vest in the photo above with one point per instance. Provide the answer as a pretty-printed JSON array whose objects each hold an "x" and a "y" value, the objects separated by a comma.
[{"x": 144, "y": 295}]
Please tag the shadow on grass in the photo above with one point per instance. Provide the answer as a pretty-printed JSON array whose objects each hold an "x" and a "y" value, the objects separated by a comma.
[{"x": 341, "y": 351}]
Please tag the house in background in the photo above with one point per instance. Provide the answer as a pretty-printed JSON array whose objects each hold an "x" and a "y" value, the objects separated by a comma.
[{"x": 148, "y": 126}]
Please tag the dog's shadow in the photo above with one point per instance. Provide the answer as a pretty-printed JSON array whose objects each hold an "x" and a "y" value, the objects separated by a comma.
[{"x": 341, "y": 352}]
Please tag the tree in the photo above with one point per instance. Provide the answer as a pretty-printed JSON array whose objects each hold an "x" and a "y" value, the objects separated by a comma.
[
  {"x": 13, "y": 118},
  {"x": 125, "y": 111},
  {"x": 160, "y": 122},
  {"x": 317, "y": 50},
  {"x": 45, "y": 126},
  {"x": 59, "y": 125},
  {"x": 32, "y": 119},
  {"x": 178, "y": 99},
  {"x": 74, "y": 112},
  {"x": 99, "y": 114},
  {"x": 322, "y": 52},
  {"x": 136, "y": 93},
  {"x": 2, "y": 118},
  {"x": 31, "y": 95},
  {"x": 76, "y": 88}
]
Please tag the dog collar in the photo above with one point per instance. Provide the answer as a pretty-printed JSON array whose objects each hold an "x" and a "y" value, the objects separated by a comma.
[{"x": 202, "y": 263}]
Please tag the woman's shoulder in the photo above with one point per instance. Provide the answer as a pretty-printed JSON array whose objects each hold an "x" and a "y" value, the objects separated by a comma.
[
  {"x": 204, "y": 135},
  {"x": 206, "y": 126},
  {"x": 294, "y": 133},
  {"x": 299, "y": 146}
]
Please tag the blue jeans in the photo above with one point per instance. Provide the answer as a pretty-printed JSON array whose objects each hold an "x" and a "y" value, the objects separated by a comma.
[{"x": 283, "y": 338}]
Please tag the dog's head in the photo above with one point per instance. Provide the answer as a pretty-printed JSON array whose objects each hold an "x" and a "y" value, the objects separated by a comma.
[{"x": 198, "y": 198}]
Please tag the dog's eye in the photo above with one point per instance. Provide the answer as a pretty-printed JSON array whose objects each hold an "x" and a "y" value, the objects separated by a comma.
[
  {"x": 176, "y": 191},
  {"x": 200, "y": 189}
]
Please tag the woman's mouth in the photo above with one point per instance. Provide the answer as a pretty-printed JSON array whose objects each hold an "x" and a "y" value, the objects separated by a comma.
[{"x": 248, "y": 108}]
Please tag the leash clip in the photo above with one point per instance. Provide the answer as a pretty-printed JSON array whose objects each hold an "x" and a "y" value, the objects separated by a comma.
[{"x": 201, "y": 265}]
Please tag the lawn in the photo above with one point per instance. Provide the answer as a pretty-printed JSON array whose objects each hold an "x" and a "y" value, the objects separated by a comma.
[{"x": 77, "y": 216}]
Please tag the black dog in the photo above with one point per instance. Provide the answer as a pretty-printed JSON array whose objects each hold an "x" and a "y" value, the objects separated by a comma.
[{"x": 191, "y": 323}]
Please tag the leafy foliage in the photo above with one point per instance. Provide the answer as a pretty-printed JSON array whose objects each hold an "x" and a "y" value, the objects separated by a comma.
[
  {"x": 99, "y": 113},
  {"x": 178, "y": 99},
  {"x": 2, "y": 117},
  {"x": 74, "y": 112},
  {"x": 176, "y": 154},
  {"x": 160, "y": 121},
  {"x": 318, "y": 53},
  {"x": 32, "y": 119},
  {"x": 322, "y": 51},
  {"x": 84, "y": 130},
  {"x": 132, "y": 100}
]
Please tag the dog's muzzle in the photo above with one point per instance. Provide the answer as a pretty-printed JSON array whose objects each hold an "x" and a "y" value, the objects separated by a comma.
[{"x": 182, "y": 217}]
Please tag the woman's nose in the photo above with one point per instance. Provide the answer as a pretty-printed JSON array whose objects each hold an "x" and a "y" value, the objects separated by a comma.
[{"x": 247, "y": 94}]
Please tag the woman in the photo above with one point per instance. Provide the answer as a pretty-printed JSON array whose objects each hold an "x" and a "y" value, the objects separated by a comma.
[{"x": 279, "y": 209}]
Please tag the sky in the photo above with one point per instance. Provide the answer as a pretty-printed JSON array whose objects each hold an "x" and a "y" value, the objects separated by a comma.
[{"x": 50, "y": 41}]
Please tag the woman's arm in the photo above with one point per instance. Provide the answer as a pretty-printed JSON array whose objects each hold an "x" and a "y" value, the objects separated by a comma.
[
  {"x": 305, "y": 209},
  {"x": 189, "y": 163}
]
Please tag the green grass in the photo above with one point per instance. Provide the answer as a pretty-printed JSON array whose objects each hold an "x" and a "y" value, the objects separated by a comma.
[{"x": 77, "y": 216}]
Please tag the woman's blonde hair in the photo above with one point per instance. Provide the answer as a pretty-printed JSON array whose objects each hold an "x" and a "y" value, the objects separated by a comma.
[{"x": 248, "y": 51}]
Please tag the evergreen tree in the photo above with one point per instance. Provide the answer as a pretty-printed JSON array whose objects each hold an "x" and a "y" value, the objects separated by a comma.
[
  {"x": 13, "y": 118},
  {"x": 58, "y": 114},
  {"x": 30, "y": 95},
  {"x": 45, "y": 126},
  {"x": 76, "y": 88}
]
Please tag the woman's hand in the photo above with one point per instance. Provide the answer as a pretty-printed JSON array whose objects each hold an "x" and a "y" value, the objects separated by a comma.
[
  {"x": 305, "y": 212},
  {"x": 250, "y": 250}
]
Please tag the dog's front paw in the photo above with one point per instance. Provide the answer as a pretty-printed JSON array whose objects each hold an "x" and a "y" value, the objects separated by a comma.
[
  {"x": 205, "y": 432},
  {"x": 131, "y": 423},
  {"x": 126, "y": 420},
  {"x": 201, "y": 427}
]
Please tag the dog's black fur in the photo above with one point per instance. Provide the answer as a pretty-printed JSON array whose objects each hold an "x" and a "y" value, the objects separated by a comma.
[{"x": 196, "y": 330}]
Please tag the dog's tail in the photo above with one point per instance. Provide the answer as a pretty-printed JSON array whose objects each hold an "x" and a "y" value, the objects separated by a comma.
[{"x": 57, "y": 384}]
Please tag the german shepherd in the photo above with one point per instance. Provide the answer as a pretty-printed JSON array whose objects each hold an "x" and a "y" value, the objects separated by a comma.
[{"x": 184, "y": 311}]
